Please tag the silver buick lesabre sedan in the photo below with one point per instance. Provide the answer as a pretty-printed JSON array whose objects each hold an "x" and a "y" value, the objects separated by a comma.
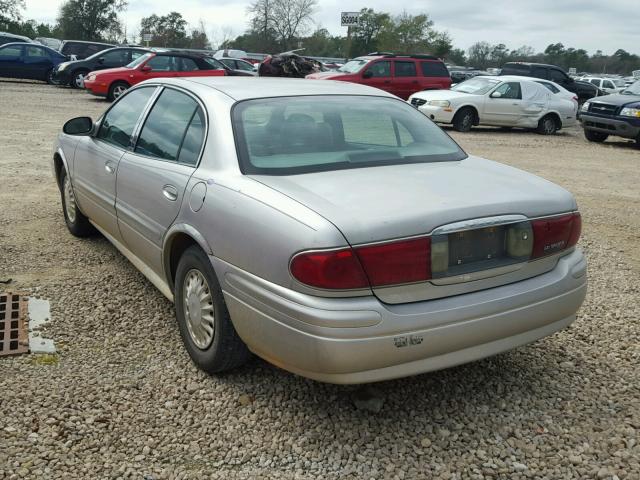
[{"x": 328, "y": 227}]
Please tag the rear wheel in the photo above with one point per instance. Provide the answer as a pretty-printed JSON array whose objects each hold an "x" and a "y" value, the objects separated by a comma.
[
  {"x": 77, "y": 223},
  {"x": 464, "y": 120},
  {"x": 547, "y": 125},
  {"x": 77, "y": 79},
  {"x": 594, "y": 136},
  {"x": 116, "y": 90},
  {"x": 203, "y": 319}
]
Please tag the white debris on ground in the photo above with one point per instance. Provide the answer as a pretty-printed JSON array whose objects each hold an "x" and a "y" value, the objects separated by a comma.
[{"x": 39, "y": 315}]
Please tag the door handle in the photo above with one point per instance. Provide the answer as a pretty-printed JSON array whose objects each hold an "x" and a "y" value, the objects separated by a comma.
[
  {"x": 170, "y": 192},
  {"x": 109, "y": 167}
]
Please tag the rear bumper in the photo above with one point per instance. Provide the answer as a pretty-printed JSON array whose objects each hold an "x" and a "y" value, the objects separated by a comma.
[
  {"x": 613, "y": 126},
  {"x": 357, "y": 340}
]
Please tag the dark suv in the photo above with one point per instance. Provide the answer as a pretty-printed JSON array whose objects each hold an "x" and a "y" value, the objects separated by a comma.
[
  {"x": 617, "y": 114},
  {"x": 79, "y": 49},
  {"x": 401, "y": 75},
  {"x": 584, "y": 90},
  {"x": 73, "y": 73}
]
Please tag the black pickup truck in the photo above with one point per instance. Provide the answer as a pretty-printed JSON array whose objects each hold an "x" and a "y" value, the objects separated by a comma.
[
  {"x": 583, "y": 90},
  {"x": 617, "y": 114}
]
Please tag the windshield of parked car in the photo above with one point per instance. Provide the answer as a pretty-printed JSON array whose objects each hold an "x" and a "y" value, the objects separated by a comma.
[
  {"x": 139, "y": 60},
  {"x": 476, "y": 85},
  {"x": 290, "y": 135},
  {"x": 633, "y": 89},
  {"x": 353, "y": 66}
]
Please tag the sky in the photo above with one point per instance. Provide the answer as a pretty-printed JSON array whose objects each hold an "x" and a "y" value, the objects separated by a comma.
[{"x": 589, "y": 24}]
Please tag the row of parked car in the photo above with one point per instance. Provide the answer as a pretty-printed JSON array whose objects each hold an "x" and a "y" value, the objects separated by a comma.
[{"x": 524, "y": 95}]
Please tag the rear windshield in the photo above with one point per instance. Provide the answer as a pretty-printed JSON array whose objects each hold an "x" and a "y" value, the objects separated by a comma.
[{"x": 291, "y": 135}]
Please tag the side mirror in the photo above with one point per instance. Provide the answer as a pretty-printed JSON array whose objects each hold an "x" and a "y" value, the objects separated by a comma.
[
  {"x": 78, "y": 126},
  {"x": 495, "y": 95},
  {"x": 367, "y": 74},
  {"x": 146, "y": 68}
]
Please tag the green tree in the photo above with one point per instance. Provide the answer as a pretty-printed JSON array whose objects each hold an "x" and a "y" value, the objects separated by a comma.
[
  {"x": 441, "y": 45},
  {"x": 167, "y": 31},
  {"x": 90, "y": 19},
  {"x": 286, "y": 20},
  {"x": 479, "y": 54},
  {"x": 457, "y": 57},
  {"x": 10, "y": 11},
  {"x": 365, "y": 36}
]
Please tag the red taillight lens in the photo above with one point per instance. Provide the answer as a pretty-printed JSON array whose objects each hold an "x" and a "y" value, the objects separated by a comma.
[
  {"x": 337, "y": 269},
  {"x": 405, "y": 261},
  {"x": 552, "y": 235}
]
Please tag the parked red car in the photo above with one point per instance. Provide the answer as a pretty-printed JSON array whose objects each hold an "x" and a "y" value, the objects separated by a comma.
[
  {"x": 113, "y": 82},
  {"x": 401, "y": 75}
]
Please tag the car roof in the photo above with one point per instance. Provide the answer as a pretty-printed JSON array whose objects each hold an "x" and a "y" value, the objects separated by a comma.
[
  {"x": 86, "y": 41},
  {"x": 245, "y": 88},
  {"x": 13, "y": 35}
]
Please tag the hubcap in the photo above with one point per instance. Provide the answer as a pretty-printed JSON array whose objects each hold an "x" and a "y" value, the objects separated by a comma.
[
  {"x": 550, "y": 125},
  {"x": 198, "y": 309},
  {"x": 119, "y": 90},
  {"x": 69, "y": 200},
  {"x": 467, "y": 121},
  {"x": 79, "y": 80}
]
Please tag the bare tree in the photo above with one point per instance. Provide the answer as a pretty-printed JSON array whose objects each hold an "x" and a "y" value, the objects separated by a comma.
[{"x": 288, "y": 19}]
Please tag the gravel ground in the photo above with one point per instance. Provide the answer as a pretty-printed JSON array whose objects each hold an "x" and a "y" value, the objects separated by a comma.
[{"x": 123, "y": 400}]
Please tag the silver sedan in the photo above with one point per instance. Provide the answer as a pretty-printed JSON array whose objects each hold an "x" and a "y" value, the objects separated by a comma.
[{"x": 328, "y": 227}]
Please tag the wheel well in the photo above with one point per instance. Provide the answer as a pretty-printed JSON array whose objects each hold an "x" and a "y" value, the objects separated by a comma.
[
  {"x": 473, "y": 109},
  {"x": 179, "y": 243},
  {"x": 59, "y": 166},
  {"x": 555, "y": 117}
]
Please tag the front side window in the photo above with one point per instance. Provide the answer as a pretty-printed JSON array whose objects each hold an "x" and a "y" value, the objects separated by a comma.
[
  {"x": 163, "y": 63},
  {"x": 609, "y": 84},
  {"x": 188, "y": 65},
  {"x": 119, "y": 122},
  {"x": 36, "y": 52},
  {"x": 164, "y": 130},
  {"x": 405, "y": 69},
  {"x": 290, "y": 135},
  {"x": 509, "y": 91},
  {"x": 380, "y": 69},
  {"x": 115, "y": 57}
]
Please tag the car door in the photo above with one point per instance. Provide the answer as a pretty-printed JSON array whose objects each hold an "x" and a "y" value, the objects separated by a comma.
[
  {"x": 405, "y": 78},
  {"x": 506, "y": 108},
  {"x": 36, "y": 62},
  {"x": 11, "y": 61},
  {"x": 378, "y": 75},
  {"x": 97, "y": 157},
  {"x": 161, "y": 66},
  {"x": 118, "y": 57},
  {"x": 152, "y": 178}
]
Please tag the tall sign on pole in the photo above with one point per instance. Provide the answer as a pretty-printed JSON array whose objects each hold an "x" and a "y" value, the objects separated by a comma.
[
  {"x": 147, "y": 37},
  {"x": 349, "y": 19}
]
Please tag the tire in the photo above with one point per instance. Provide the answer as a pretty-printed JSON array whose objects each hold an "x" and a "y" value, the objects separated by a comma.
[
  {"x": 213, "y": 344},
  {"x": 547, "y": 125},
  {"x": 593, "y": 136},
  {"x": 77, "y": 79},
  {"x": 116, "y": 89},
  {"x": 464, "y": 120},
  {"x": 49, "y": 78},
  {"x": 77, "y": 223}
]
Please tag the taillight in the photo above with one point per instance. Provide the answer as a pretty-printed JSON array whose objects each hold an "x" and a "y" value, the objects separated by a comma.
[
  {"x": 335, "y": 269},
  {"x": 406, "y": 261},
  {"x": 552, "y": 235}
]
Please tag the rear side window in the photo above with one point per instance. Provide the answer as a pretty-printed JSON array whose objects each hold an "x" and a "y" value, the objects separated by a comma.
[
  {"x": 595, "y": 82},
  {"x": 405, "y": 69},
  {"x": 193, "y": 139},
  {"x": 36, "y": 52},
  {"x": 163, "y": 63},
  {"x": 557, "y": 76},
  {"x": 434, "y": 69},
  {"x": 11, "y": 51},
  {"x": 164, "y": 130},
  {"x": 539, "y": 72},
  {"x": 380, "y": 69},
  {"x": 188, "y": 65},
  {"x": 119, "y": 122}
]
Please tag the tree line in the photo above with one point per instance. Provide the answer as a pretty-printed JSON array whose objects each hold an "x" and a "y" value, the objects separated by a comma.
[{"x": 282, "y": 25}]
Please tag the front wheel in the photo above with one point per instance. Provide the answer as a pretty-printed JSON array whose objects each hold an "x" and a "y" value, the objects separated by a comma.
[
  {"x": 116, "y": 90},
  {"x": 77, "y": 79},
  {"x": 77, "y": 223},
  {"x": 203, "y": 319},
  {"x": 464, "y": 120},
  {"x": 593, "y": 136},
  {"x": 49, "y": 78}
]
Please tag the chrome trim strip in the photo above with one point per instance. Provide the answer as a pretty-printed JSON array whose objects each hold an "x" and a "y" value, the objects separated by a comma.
[{"x": 477, "y": 223}]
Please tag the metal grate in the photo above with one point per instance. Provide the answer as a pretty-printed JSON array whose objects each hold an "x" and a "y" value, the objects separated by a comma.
[
  {"x": 14, "y": 336},
  {"x": 417, "y": 102}
]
